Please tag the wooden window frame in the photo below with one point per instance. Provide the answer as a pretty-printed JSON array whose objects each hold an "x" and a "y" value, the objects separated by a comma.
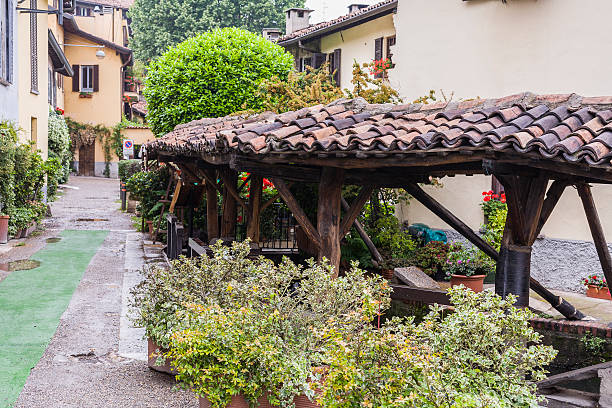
[
  {"x": 90, "y": 69},
  {"x": 6, "y": 42}
]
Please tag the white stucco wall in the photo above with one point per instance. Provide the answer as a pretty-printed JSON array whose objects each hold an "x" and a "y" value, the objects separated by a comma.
[
  {"x": 489, "y": 49},
  {"x": 9, "y": 93},
  {"x": 357, "y": 44}
]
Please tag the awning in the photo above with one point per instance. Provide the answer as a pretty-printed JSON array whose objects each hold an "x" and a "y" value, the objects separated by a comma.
[{"x": 58, "y": 58}]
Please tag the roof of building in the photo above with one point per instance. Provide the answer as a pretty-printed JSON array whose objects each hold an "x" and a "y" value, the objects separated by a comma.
[
  {"x": 562, "y": 128},
  {"x": 58, "y": 58},
  {"x": 325, "y": 27},
  {"x": 140, "y": 107},
  {"x": 71, "y": 26},
  {"x": 124, "y": 4}
]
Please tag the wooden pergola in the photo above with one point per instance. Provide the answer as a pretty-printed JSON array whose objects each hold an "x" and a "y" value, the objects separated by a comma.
[{"x": 374, "y": 146}]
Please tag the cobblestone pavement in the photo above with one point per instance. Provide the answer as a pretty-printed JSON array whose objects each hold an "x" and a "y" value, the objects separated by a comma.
[{"x": 83, "y": 365}]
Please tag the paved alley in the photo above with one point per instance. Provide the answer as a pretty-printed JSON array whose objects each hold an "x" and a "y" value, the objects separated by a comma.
[{"x": 94, "y": 358}]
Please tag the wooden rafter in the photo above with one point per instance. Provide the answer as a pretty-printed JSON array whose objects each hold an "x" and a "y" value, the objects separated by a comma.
[
  {"x": 553, "y": 195},
  {"x": 231, "y": 189},
  {"x": 297, "y": 211},
  {"x": 355, "y": 209}
]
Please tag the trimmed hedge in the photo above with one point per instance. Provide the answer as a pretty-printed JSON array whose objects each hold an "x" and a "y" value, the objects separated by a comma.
[
  {"x": 211, "y": 75},
  {"x": 127, "y": 168}
]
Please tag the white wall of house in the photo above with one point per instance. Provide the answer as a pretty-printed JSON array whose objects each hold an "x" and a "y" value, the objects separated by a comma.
[
  {"x": 489, "y": 49},
  {"x": 357, "y": 44}
]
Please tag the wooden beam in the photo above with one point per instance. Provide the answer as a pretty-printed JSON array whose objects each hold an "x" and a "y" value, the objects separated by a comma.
[
  {"x": 211, "y": 180},
  {"x": 297, "y": 211},
  {"x": 448, "y": 217},
  {"x": 212, "y": 215},
  {"x": 599, "y": 239},
  {"x": 229, "y": 214},
  {"x": 355, "y": 209},
  {"x": 364, "y": 236},
  {"x": 244, "y": 183},
  {"x": 229, "y": 185},
  {"x": 560, "y": 304},
  {"x": 255, "y": 190},
  {"x": 575, "y": 375},
  {"x": 175, "y": 196},
  {"x": 553, "y": 196},
  {"x": 329, "y": 214},
  {"x": 271, "y": 201}
]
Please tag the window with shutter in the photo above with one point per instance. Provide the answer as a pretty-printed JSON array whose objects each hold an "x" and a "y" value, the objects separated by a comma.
[
  {"x": 334, "y": 65},
  {"x": 319, "y": 60},
  {"x": 5, "y": 42},
  {"x": 378, "y": 53},
  {"x": 87, "y": 78},
  {"x": 33, "y": 49},
  {"x": 390, "y": 43},
  {"x": 76, "y": 78}
]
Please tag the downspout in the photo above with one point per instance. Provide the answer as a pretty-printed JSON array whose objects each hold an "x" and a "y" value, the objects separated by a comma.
[{"x": 122, "y": 80}]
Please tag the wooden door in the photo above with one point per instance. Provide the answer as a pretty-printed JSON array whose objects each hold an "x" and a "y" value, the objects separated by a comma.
[{"x": 87, "y": 160}]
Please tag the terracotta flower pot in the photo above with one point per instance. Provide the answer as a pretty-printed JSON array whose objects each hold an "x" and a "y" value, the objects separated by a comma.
[
  {"x": 473, "y": 282},
  {"x": 598, "y": 293},
  {"x": 238, "y": 401},
  {"x": 387, "y": 273},
  {"x": 4, "y": 219},
  {"x": 150, "y": 227},
  {"x": 153, "y": 352}
]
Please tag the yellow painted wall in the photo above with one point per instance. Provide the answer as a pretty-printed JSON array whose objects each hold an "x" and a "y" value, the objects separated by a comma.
[
  {"x": 104, "y": 107},
  {"x": 357, "y": 43},
  {"x": 138, "y": 135},
  {"x": 107, "y": 26},
  {"x": 490, "y": 49},
  {"x": 33, "y": 105}
]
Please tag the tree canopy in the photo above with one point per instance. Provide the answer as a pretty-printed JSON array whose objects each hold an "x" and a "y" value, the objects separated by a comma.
[
  {"x": 159, "y": 24},
  {"x": 211, "y": 75}
]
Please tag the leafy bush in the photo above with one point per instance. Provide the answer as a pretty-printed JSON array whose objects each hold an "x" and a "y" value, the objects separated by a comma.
[
  {"x": 373, "y": 90},
  {"x": 392, "y": 240},
  {"x": 148, "y": 187},
  {"x": 8, "y": 143},
  {"x": 210, "y": 75},
  {"x": 299, "y": 90},
  {"x": 21, "y": 217},
  {"x": 484, "y": 354},
  {"x": 59, "y": 144},
  {"x": 431, "y": 257},
  {"x": 127, "y": 168}
]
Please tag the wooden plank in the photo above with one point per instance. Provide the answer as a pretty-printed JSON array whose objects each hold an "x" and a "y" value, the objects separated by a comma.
[
  {"x": 364, "y": 236},
  {"x": 429, "y": 296},
  {"x": 448, "y": 217},
  {"x": 255, "y": 191},
  {"x": 270, "y": 201},
  {"x": 599, "y": 239},
  {"x": 575, "y": 375},
  {"x": 244, "y": 183},
  {"x": 175, "y": 196},
  {"x": 229, "y": 213},
  {"x": 212, "y": 215},
  {"x": 560, "y": 304},
  {"x": 297, "y": 211},
  {"x": 196, "y": 246},
  {"x": 355, "y": 209},
  {"x": 329, "y": 215}
]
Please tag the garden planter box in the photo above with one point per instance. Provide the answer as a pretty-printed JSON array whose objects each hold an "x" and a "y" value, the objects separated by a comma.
[
  {"x": 238, "y": 401},
  {"x": 598, "y": 293},
  {"x": 474, "y": 282},
  {"x": 152, "y": 354}
]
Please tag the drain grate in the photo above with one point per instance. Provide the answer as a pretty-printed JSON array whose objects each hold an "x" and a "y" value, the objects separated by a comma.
[
  {"x": 21, "y": 265},
  {"x": 91, "y": 219},
  {"x": 53, "y": 240}
]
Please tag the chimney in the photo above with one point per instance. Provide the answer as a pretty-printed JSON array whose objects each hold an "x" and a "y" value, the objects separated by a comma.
[
  {"x": 297, "y": 19},
  {"x": 271, "y": 34},
  {"x": 356, "y": 7}
]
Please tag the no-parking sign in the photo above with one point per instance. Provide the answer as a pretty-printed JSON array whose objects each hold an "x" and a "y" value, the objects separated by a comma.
[{"x": 128, "y": 148}]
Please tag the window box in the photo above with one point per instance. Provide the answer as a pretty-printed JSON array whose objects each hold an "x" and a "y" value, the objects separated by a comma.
[{"x": 85, "y": 95}]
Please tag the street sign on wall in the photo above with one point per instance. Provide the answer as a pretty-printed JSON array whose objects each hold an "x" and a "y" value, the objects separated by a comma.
[{"x": 128, "y": 148}]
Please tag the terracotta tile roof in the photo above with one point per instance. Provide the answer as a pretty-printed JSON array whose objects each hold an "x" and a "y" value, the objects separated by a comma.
[
  {"x": 140, "y": 107},
  {"x": 325, "y": 25},
  {"x": 124, "y": 4},
  {"x": 569, "y": 128}
]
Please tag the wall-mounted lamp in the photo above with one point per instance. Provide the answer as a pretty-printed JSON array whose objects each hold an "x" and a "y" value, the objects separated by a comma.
[{"x": 100, "y": 54}]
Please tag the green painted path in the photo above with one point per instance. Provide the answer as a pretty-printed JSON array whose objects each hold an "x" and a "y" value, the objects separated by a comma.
[{"x": 32, "y": 302}]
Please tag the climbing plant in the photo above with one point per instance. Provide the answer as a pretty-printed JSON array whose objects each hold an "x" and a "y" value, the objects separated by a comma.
[
  {"x": 85, "y": 134},
  {"x": 116, "y": 138}
]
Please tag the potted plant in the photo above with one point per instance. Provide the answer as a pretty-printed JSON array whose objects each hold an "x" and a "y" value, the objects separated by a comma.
[
  {"x": 84, "y": 94},
  {"x": 597, "y": 287},
  {"x": 431, "y": 259},
  {"x": 465, "y": 267},
  {"x": 4, "y": 226}
]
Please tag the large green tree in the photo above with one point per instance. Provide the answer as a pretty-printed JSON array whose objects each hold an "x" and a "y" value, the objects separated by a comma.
[
  {"x": 210, "y": 75},
  {"x": 159, "y": 24}
]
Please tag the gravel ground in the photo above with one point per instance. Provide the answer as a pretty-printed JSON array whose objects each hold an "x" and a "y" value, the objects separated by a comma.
[{"x": 81, "y": 366}]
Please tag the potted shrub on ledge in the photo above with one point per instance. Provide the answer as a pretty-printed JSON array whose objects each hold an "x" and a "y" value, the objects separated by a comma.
[
  {"x": 465, "y": 266},
  {"x": 597, "y": 287}
]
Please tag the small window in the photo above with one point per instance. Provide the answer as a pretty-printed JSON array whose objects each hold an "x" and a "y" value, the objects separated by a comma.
[
  {"x": 83, "y": 11},
  {"x": 300, "y": 14},
  {"x": 87, "y": 78}
]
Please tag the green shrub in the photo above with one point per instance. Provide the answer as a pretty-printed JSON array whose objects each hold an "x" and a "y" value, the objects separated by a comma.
[
  {"x": 8, "y": 144},
  {"x": 59, "y": 144},
  {"x": 148, "y": 187},
  {"x": 127, "y": 168},
  {"x": 211, "y": 75},
  {"x": 431, "y": 257}
]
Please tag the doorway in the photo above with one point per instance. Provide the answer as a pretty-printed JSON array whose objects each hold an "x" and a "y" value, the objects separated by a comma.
[{"x": 87, "y": 160}]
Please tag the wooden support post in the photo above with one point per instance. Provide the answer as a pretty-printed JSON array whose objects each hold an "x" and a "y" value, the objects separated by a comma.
[
  {"x": 212, "y": 215},
  {"x": 329, "y": 214},
  {"x": 599, "y": 239},
  {"x": 299, "y": 214},
  {"x": 255, "y": 191},
  {"x": 364, "y": 236},
  {"x": 355, "y": 209},
  {"x": 229, "y": 213},
  {"x": 553, "y": 195}
]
